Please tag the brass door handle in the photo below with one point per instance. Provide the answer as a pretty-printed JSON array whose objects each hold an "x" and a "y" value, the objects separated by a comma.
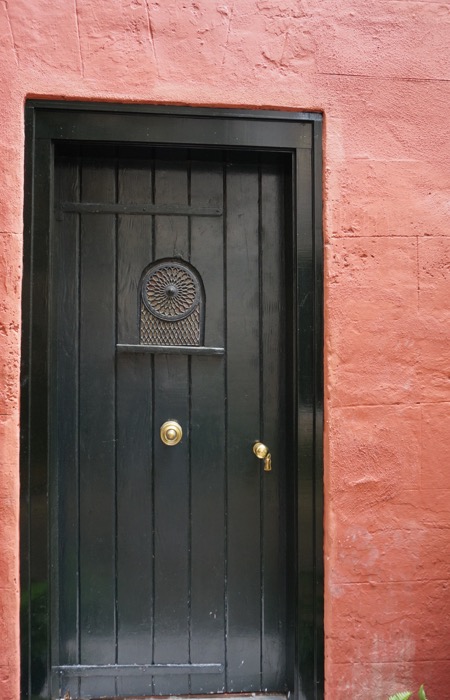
[
  {"x": 262, "y": 452},
  {"x": 171, "y": 432}
]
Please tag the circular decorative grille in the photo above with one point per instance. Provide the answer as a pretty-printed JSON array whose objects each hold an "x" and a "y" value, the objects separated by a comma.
[{"x": 170, "y": 291}]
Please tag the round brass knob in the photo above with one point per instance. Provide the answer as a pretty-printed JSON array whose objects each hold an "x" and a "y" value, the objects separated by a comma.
[
  {"x": 260, "y": 450},
  {"x": 171, "y": 432}
]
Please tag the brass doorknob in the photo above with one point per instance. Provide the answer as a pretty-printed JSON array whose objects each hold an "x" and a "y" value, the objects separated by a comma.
[
  {"x": 171, "y": 432},
  {"x": 262, "y": 452}
]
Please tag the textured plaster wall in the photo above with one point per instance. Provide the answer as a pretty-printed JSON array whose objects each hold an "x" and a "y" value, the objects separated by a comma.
[{"x": 379, "y": 69}]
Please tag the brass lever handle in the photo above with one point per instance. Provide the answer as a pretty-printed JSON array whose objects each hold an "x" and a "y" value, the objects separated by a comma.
[{"x": 262, "y": 452}]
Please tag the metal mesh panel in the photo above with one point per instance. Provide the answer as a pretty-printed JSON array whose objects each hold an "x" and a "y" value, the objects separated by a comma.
[
  {"x": 154, "y": 331},
  {"x": 171, "y": 305}
]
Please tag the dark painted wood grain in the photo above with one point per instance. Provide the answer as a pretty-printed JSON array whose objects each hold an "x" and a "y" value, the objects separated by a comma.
[
  {"x": 273, "y": 431},
  {"x": 171, "y": 488},
  {"x": 134, "y": 435},
  {"x": 36, "y": 595},
  {"x": 207, "y": 243},
  {"x": 182, "y": 550},
  {"x": 64, "y": 401},
  {"x": 243, "y": 469},
  {"x": 172, "y": 464},
  {"x": 134, "y": 243},
  {"x": 207, "y": 615},
  {"x": 97, "y": 426}
]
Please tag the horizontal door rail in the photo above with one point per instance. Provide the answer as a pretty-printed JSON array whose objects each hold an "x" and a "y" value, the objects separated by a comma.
[
  {"x": 170, "y": 349},
  {"x": 111, "y": 208},
  {"x": 136, "y": 669}
]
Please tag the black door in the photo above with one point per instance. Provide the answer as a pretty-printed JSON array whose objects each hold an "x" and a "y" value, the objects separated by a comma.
[{"x": 168, "y": 304}]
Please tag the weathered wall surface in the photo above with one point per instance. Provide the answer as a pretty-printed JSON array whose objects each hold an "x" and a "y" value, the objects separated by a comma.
[{"x": 379, "y": 70}]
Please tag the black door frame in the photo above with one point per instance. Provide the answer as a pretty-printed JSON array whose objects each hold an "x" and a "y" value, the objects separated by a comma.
[{"x": 299, "y": 135}]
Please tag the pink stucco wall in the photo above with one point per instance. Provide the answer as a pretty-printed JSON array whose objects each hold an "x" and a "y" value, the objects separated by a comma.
[{"x": 379, "y": 70}]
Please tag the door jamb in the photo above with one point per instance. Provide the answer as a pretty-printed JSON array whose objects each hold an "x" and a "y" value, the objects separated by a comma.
[{"x": 50, "y": 121}]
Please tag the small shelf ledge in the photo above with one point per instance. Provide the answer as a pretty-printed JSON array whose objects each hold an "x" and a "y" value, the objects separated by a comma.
[{"x": 169, "y": 349}]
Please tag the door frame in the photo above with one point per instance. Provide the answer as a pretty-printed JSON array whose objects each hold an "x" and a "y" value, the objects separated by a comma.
[{"x": 297, "y": 134}]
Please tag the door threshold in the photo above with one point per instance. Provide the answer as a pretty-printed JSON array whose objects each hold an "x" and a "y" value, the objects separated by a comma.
[{"x": 210, "y": 696}]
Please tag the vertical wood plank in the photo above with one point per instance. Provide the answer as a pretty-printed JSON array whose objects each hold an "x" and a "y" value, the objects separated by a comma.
[
  {"x": 172, "y": 467},
  {"x": 64, "y": 410},
  {"x": 37, "y": 600},
  {"x": 171, "y": 187},
  {"x": 207, "y": 241},
  {"x": 171, "y": 487},
  {"x": 244, "y": 470},
  {"x": 207, "y": 629},
  {"x": 97, "y": 427},
  {"x": 134, "y": 433},
  {"x": 135, "y": 240},
  {"x": 273, "y": 420}
]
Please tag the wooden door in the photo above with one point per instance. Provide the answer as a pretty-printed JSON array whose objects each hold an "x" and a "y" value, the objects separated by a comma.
[{"x": 169, "y": 561}]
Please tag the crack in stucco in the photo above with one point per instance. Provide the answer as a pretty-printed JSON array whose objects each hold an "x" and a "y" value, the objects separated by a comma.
[
  {"x": 230, "y": 19},
  {"x": 421, "y": 445},
  {"x": 411, "y": 79},
  {"x": 350, "y": 236},
  {"x": 418, "y": 272},
  {"x": 77, "y": 22},
  {"x": 286, "y": 37},
  {"x": 13, "y": 40},
  {"x": 152, "y": 36}
]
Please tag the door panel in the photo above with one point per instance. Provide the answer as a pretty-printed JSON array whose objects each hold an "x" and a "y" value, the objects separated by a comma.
[
  {"x": 244, "y": 481},
  {"x": 135, "y": 580},
  {"x": 172, "y": 558}
]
